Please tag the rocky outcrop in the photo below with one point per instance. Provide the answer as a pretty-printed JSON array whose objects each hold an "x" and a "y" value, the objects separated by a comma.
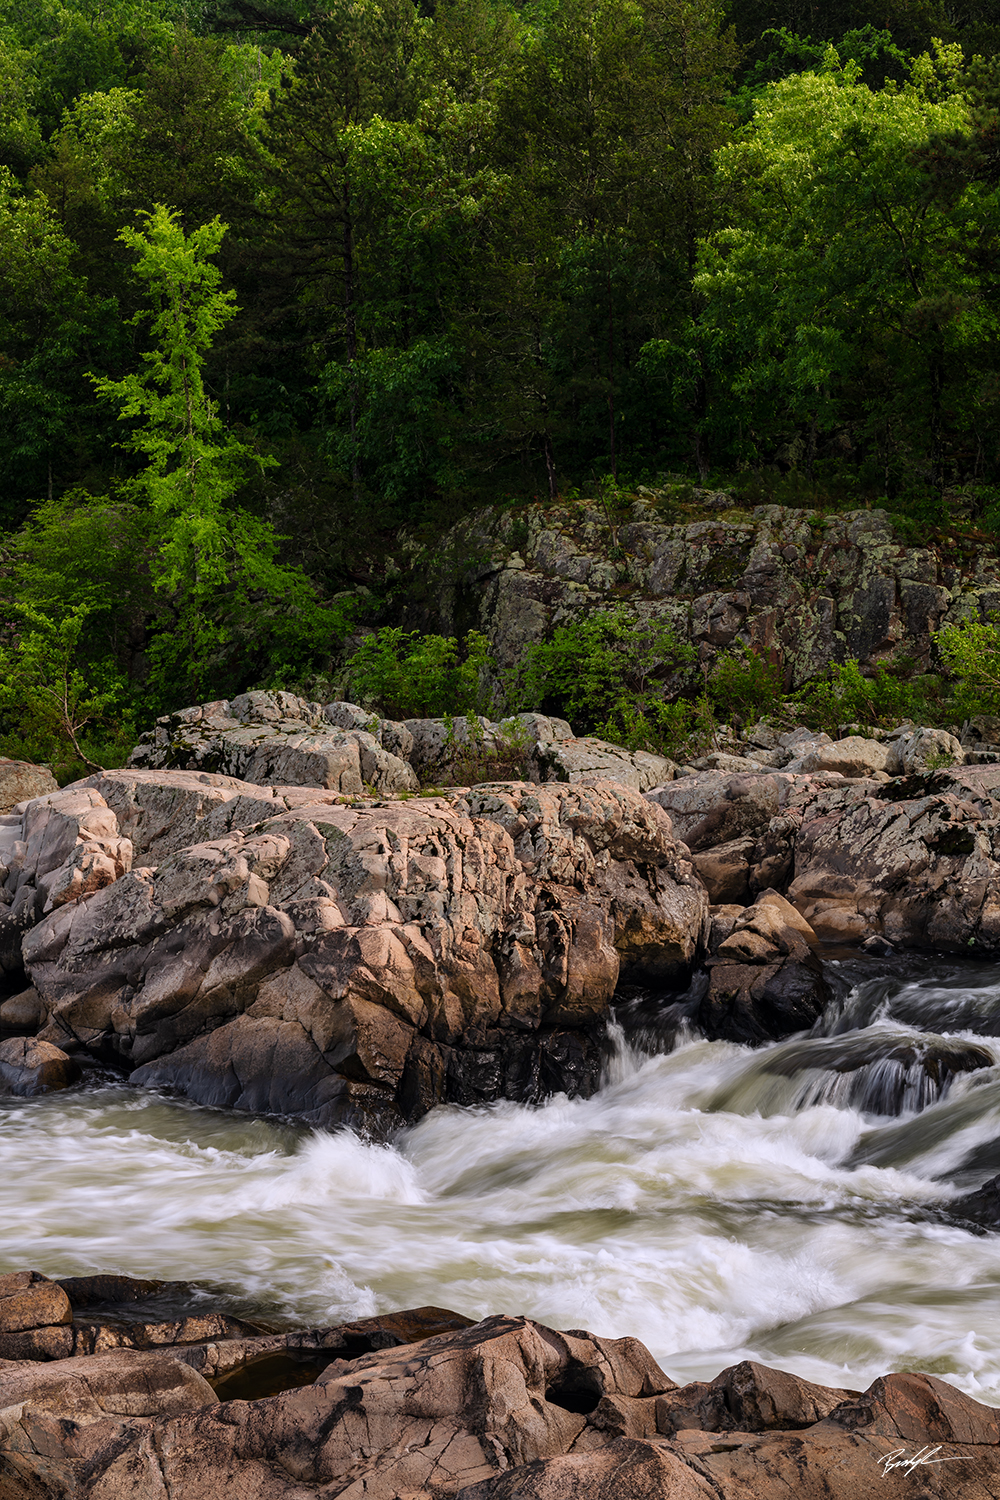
[
  {"x": 21, "y": 780},
  {"x": 801, "y": 587},
  {"x": 274, "y": 739},
  {"x": 503, "y": 1408},
  {"x": 294, "y": 953},
  {"x": 916, "y": 862}
]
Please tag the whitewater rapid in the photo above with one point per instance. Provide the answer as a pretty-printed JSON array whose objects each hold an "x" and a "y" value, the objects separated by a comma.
[{"x": 715, "y": 1202}]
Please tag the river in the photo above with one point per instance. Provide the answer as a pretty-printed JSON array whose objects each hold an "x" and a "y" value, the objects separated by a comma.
[{"x": 718, "y": 1203}]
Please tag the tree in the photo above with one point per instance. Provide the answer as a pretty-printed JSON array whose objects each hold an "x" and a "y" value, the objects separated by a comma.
[
  {"x": 213, "y": 562},
  {"x": 833, "y": 298}
]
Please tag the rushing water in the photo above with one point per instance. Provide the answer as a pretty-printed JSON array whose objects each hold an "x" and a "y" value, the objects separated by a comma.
[{"x": 716, "y": 1202}]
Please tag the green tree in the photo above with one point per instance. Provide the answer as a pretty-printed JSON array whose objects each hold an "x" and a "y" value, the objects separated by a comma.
[
  {"x": 833, "y": 298},
  {"x": 214, "y": 563}
]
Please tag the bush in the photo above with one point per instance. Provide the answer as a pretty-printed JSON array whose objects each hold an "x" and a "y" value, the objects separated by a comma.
[
  {"x": 744, "y": 687},
  {"x": 971, "y": 653},
  {"x": 405, "y": 675},
  {"x": 607, "y": 674},
  {"x": 847, "y": 696}
]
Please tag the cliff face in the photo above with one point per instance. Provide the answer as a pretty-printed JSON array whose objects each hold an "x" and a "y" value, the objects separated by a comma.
[{"x": 804, "y": 587}]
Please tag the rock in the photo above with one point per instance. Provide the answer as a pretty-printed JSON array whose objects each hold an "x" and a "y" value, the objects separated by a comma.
[
  {"x": 854, "y": 757},
  {"x": 468, "y": 747},
  {"x": 755, "y": 1002},
  {"x": 916, "y": 862},
  {"x": 923, "y": 749},
  {"x": 23, "y": 1012},
  {"x": 69, "y": 848},
  {"x": 273, "y": 739},
  {"x": 981, "y": 1207},
  {"x": 501, "y": 1410},
  {"x": 430, "y": 1418},
  {"x": 764, "y": 979},
  {"x": 588, "y": 760},
  {"x": 34, "y": 1314},
  {"x": 29, "y": 1067},
  {"x": 364, "y": 962},
  {"x": 738, "y": 827},
  {"x": 719, "y": 760},
  {"x": 30, "y": 1300},
  {"x": 82, "y": 1392},
  {"x": 800, "y": 588},
  {"x": 20, "y": 781},
  {"x": 748, "y": 1397},
  {"x": 708, "y": 810}
]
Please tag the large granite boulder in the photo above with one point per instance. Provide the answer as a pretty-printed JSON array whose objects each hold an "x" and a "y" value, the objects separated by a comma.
[{"x": 290, "y": 952}]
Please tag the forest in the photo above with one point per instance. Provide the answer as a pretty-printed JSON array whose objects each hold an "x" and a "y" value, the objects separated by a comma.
[{"x": 280, "y": 286}]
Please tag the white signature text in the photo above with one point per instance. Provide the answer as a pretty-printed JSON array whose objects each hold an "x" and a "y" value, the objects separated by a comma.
[{"x": 900, "y": 1459}]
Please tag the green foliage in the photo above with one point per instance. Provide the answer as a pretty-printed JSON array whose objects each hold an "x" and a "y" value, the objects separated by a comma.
[
  {"x": 406, "y": 675},
  {"x": 744, "y": 687},
  {"x": 47, "y": 701},
  {"x": 847, "y": 696},
  {"x": 215, "y": 563},
  {"x": 971, "y": 653},
  {"x": 607, "y": 673}
]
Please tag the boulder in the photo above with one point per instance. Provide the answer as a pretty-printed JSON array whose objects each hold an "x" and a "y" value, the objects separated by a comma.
[
  {"x": 29, "y": 1067},
  {"x": 854, "y": 757},
  {"x": 922, "y": 750},
  {"x": 365, "y": 962},
  {"x": 588, "y": 760},
  {"x": 916, "y": 862},
  {"x": 20, "y": 781},
  {"x": 273, "y": 738},
  {"x": 34, "y": 1314}
]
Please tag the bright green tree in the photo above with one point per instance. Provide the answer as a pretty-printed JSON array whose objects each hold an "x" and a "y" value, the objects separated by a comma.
[
  {"x": 833, "y": 297},
  {"x": 213, "y": 562}
]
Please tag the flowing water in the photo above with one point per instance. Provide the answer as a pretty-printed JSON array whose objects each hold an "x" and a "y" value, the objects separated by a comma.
[{"x": 718, "y": 1203}]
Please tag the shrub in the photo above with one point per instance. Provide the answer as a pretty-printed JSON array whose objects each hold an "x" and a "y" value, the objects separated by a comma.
[
  {"x": 406, "y": 675},
  {"x": 744, "y": 687},
  {"x": 971, "y": 653},
  {"x": 606, "y": 672},
  {"x": 846, "y": 695}
]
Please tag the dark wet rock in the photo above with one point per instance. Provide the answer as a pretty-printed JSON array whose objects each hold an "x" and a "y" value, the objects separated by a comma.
[
  {"x": 753, "y": 1003},
  {"x": 877, "y": 1074},
  {"x": 23, "y": 1012},
  {"x": 29, "y": 1067},
  {"x": 981, "y": 1207}
]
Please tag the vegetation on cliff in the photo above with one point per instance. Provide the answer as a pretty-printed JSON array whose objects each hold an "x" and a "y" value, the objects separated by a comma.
[{"x": 278, "y": 286}]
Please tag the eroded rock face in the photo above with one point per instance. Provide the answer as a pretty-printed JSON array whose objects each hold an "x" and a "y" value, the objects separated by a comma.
[
  {"x": 808, "y": 589},
  {"x": 916, "y": 862},
  {"x": 274, "y": 738},
  {"x": 20, "y": 780},
  {"x": 502, "y": 1409},
  {"x": 345, "y": 962}
]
